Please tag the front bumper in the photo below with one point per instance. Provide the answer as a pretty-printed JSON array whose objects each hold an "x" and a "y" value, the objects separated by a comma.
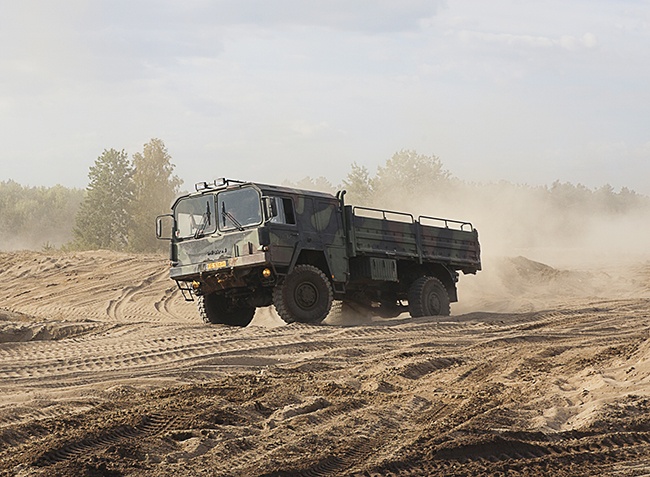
[{"x": 214, "y": 267}]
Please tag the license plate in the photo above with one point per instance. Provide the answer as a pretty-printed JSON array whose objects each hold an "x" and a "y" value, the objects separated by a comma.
[{"x": 217, "y": 265}]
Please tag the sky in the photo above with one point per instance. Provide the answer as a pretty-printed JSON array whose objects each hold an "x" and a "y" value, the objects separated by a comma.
[{"x": 271, "y": 90}]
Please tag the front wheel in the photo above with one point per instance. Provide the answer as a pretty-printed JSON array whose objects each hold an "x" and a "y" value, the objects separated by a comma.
[
  {"x": 428, "y": 297},
  {"x": 217, "y": 309},
  {"x": 305, "y": 295}
]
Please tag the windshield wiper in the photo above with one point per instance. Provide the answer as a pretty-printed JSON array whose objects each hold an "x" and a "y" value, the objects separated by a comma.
[
  {"x": 205, "y": 221},
  {"x": 225, "y": 214}
]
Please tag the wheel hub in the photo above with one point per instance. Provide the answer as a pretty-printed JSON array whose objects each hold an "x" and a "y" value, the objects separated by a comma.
[
  {"x": 306, "y": 295},
  {"x": 433, "y": 303}
]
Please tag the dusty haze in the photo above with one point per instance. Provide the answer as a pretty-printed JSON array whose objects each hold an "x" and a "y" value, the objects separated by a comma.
[{"x": 517, "y": 220}]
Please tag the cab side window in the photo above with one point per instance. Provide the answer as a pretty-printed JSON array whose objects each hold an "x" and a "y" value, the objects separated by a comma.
[
  {"x": 289, "y": 214},
  {"x": 286, "y": 212}
]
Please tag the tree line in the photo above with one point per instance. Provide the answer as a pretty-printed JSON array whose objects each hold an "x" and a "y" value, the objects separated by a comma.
[
  {"x": 411, "y": 178},
  {"x": 36, "y": 217},
  {"x": 117, "y": 209}
]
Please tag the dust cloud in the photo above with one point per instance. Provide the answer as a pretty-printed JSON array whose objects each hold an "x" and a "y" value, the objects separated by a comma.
[
  {"x": 514, "y": 220},
  {"x": 537, "y": 250}
]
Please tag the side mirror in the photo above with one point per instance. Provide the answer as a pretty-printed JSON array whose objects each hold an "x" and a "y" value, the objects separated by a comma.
[
  {"x": 164, "y": 227},
  {"x": 271, "y": 207}
]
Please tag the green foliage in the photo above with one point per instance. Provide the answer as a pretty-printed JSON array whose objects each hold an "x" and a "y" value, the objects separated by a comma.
[
  {"x": 123, "y": 199},
  {"x": 358, "y": 185},
  {"x": 409, "y": 174},
  {"x": 603, "y": 200},
  {"x": 33, "y": 217},
  {"x": 155, "y": 187},
  {"x": 103, "y": 220},
  {"x": 405, "y": 178},
  {"x": 320, "y": 184}
]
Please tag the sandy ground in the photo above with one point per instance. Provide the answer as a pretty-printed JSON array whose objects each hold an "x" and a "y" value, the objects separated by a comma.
[{"x": 106, "y": 371}]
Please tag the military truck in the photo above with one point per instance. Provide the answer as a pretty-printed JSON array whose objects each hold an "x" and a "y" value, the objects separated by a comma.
[{"x": 237, "y": 246}]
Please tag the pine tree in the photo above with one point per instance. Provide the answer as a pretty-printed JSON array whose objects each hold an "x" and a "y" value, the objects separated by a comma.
[{"x": 102, "y": 221}]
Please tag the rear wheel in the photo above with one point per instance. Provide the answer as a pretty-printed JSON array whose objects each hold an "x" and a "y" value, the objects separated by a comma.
[
  {"x": 217, "y": 309},
  {"x": 305, "y": 295},
  {"x": 428, "y": 297}
]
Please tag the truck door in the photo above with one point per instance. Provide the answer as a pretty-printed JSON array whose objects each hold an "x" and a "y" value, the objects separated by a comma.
[
  {"x": 328, "y": 222},
  {"x": 284, "y": 231}
]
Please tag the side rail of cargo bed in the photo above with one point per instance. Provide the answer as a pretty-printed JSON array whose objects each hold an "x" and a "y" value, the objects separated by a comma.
[{"x": 385, "y": 233}]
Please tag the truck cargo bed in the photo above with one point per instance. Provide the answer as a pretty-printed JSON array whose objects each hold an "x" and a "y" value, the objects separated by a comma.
[{"x": 383, "y": 233}]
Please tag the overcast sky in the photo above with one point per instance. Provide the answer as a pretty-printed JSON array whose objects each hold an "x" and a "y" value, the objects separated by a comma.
[{"x": 526, "y": 91}]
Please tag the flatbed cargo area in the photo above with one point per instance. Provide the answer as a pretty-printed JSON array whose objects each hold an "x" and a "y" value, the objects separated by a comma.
[{"x": 395, "y": 234}]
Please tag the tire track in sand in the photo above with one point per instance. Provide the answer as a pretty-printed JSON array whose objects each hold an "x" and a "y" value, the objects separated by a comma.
[{"x": 150, "y": 425}]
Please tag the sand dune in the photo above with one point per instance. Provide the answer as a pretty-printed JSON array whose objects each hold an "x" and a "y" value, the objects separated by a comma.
[{"x": 106, "y": 371}]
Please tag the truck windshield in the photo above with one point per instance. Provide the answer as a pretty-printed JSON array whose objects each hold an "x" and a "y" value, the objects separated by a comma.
[
  {"x": 239, "y": 208},
  {"x": 195, "y": 217}
]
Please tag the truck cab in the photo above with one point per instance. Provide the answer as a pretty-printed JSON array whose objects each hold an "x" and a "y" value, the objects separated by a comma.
[{"x": 231, "y": 242}]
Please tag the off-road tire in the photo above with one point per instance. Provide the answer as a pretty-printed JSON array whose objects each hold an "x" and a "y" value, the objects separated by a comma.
[
  {"x": 304, "y": 295},
  {"x": 215, "y": 309},
  {"x": 427, "y": 296}
]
